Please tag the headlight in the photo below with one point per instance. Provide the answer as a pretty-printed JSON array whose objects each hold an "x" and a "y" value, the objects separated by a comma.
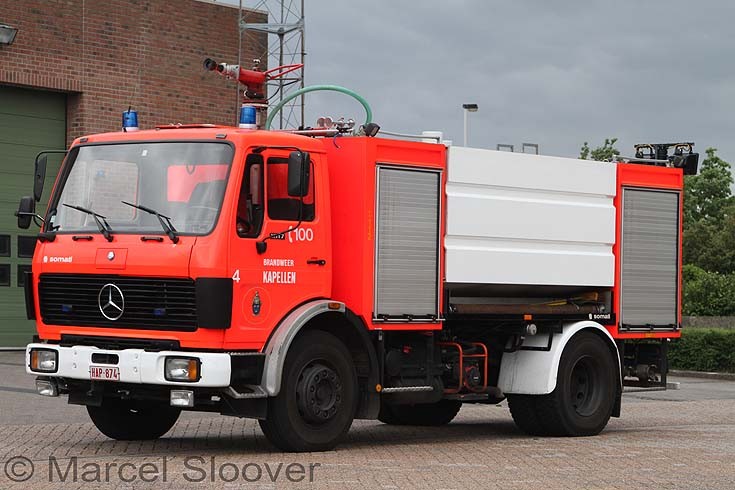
[
  {"x": 44, "y": 360},
  {"x": 182, "y": 369}
]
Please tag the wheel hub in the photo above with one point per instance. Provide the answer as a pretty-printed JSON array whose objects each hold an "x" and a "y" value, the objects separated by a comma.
[
  {"x": 319, "y": 393},
  {"x": 583, "y": 393}
]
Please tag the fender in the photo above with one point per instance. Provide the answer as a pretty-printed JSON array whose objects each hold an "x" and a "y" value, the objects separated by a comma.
[
  {"x": 281, "y": 340},
  {"x": 534, "y": 372}
]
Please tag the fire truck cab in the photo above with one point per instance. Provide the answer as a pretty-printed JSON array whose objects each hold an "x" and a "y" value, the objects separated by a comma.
[{"x": 309, "y": 281}]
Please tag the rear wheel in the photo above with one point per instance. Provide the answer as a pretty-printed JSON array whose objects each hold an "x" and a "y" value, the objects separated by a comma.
[
  {"x": 584, "y": 397},
  {"x": 427, "y": 414},
  {"x": 523, "y": 409},
  {"x": 127, "y": 420},
  {"x": 318, "y": 397}
]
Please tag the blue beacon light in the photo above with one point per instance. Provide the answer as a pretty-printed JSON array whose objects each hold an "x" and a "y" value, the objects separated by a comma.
[
  {"x": 130, "y": 120},
  {"x": 248, "y": 116}
]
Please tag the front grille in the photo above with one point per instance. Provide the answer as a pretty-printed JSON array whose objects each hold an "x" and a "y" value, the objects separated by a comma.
[{"x": 150, "y": 303}]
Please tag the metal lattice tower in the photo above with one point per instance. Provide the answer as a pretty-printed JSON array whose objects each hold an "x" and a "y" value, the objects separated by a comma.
[{"x": 285, "y": 45}]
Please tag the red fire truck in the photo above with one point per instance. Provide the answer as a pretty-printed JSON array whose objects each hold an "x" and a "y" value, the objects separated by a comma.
[{"x": 308, "y": 281}]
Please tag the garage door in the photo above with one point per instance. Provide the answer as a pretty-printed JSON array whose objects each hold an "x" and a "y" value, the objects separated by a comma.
[{"x": 30, "y": 121}]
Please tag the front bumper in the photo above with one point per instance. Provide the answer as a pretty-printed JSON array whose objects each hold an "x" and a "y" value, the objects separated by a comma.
[{"x": 137, "y": 366}]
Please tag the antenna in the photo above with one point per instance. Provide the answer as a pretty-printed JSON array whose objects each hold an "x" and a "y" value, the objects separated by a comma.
[{"x": 285, "y": 46}]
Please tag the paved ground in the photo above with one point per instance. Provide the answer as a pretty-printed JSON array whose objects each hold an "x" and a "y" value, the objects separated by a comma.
[{"x": 665, "y": 440}]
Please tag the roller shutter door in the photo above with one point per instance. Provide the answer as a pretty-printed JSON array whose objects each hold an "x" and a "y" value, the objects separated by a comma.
[
  {"x": 30, "y": 121},
  {"x": 407, "y": 244},
  {"x": 650, "y": 259}
]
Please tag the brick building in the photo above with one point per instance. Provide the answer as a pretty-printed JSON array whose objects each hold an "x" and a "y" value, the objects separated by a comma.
[{"x": 72, "y": 69}]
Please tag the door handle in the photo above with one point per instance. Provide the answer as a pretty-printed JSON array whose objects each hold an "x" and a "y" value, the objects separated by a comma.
[{"x": 316, "y": 262}]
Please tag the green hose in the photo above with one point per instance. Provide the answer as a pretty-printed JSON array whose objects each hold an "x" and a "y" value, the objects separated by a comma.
[{"x": 314, "y": 88}]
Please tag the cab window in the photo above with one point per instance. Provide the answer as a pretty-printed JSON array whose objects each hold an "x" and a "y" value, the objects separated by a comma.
[
  {"x": 281, "y": 206},
  {"x": 250, "y": 203}
]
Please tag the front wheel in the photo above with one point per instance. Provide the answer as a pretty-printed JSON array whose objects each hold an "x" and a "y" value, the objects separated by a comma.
[
  {"x": 126, "y": 420},
  {"x": 318, "y": 397},
  {"x": 584, "y": 397}
]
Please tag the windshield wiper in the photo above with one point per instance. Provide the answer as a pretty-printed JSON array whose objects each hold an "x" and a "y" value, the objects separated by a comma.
[
  {"x": 101, "y": 221},
  {"x": 165, "y": 221}
]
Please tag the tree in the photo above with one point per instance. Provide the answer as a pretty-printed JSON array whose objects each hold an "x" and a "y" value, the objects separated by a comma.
[
  {"x": 709, "y": 216},
  {"x": 605, "y": 153},
  {"x": 707, "y": 293},
  {"x": 707, "y": 196}
]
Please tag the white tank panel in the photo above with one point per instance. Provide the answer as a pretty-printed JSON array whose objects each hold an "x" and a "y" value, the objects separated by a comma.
[{"x": 516, "y": 218}]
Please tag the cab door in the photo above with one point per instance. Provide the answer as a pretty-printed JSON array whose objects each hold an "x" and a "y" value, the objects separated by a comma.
[{"x": 280, "y": 254}]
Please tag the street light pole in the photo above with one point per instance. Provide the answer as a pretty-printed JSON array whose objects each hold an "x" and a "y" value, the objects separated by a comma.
[
  {"x": 465, "y": 128},
  {"x": 467, "y": 108}
]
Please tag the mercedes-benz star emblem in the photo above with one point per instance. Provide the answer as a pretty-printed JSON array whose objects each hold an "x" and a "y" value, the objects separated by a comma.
[
  {"x": 110, "y": 255},
  {"x": 111, "y": 302}
]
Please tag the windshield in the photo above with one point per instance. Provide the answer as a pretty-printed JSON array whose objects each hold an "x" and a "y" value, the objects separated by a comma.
[{"x": 183, "y": 181}]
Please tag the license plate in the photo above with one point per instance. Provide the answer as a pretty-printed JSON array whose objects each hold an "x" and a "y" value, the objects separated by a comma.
[{"x": 104, "y": 373}]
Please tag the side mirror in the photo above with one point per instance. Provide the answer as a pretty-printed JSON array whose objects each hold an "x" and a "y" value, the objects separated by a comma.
[
  {"x": 298, "y": 174},
  {"x": 39, "y": 176},
  {"x": 26, "y": 211}
]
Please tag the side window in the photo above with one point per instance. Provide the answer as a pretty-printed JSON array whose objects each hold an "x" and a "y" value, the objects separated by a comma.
[
  {"x": 281, "y": 206},
  {"x": 250, "y": 203}
]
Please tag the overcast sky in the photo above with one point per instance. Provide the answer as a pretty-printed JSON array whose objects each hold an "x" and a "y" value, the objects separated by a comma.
[{"x": 553, "y": 73}]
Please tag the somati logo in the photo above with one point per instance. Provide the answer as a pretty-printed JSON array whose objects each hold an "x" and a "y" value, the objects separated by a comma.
[
  {"x": 600, "y": 316},
  {"x": 56, "y": 260}
]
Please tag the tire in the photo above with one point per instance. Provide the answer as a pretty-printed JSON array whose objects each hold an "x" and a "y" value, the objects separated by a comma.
[
  {"x": 584, "y": 397},
  {"x": 133, "y": 421},
  {"x": 318, "y": 398},
  {"x": 421, "y": 414},
  {"x": 523, "y": 410}
]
